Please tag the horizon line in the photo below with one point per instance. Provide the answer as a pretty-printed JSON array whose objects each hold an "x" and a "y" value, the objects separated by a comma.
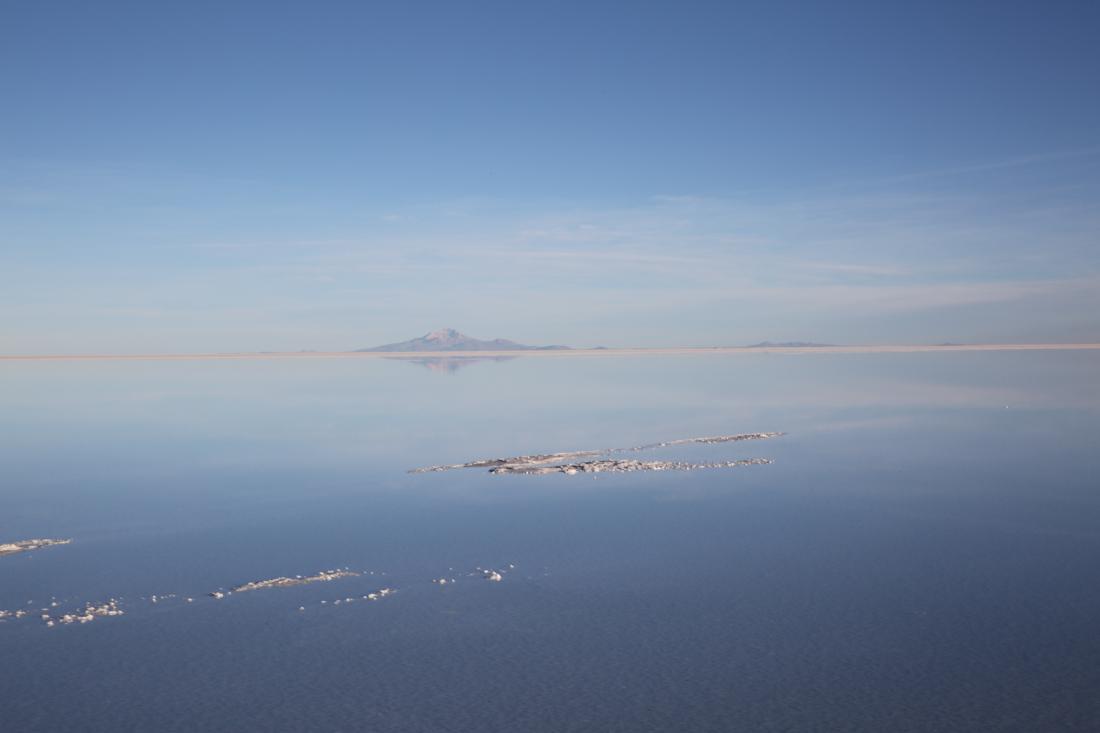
[{"x": 602, "y": 351}]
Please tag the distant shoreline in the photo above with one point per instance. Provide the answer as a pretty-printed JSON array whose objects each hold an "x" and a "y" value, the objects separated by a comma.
[{"x": 558, "y": 353}]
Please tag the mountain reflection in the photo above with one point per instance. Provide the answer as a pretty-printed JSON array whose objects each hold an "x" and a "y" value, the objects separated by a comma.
[{"x": 449, "y": 364}]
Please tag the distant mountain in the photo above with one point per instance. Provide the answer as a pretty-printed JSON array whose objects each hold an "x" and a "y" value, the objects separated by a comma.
[
  {"x": 785, "y": 345},
  {"x": 448, "y": 339}
]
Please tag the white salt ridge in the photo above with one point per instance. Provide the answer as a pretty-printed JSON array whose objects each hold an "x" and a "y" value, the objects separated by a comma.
[
  {"x": 93, "y": 611},
  {"x": 625, "y": 466},
  {"x": 567, "y": 462},
  {"x": 90, "y": 612},
  {"x": 10, "y": 548}
]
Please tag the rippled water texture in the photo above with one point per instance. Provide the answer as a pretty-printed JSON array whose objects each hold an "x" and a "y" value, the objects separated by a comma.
[{"x": 920, "y": 555}]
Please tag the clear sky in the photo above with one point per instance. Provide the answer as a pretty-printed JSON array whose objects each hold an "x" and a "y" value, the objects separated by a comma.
[{"x": 279, "y": 176}]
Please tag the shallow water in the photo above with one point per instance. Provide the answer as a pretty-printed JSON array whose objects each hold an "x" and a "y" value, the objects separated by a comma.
[{"x": 920, "y": 555}]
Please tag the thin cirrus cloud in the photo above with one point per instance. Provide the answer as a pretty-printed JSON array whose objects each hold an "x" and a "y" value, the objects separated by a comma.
[{"x": 903, "y": 262}]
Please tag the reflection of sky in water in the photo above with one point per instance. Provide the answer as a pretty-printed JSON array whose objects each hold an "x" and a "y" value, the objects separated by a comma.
[
  {"x": 156, "y": 419},
  {"x": 930, "y": 522}
]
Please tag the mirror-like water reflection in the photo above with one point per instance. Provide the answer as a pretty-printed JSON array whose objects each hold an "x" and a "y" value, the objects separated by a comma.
[{"x": 919, "y": 555}]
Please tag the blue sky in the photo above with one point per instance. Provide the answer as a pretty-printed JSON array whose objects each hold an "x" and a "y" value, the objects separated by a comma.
[{"x": 270, "y": 176}]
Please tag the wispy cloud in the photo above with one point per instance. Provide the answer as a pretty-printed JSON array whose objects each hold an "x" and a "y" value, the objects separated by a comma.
[
  {"x": 993, "y": 165},
  {"x": 862, "y": 265},
  {"x": 849, "y": 268}
]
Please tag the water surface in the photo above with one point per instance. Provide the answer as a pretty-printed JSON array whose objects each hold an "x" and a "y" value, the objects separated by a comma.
[{"x": 921, "y": 554}]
